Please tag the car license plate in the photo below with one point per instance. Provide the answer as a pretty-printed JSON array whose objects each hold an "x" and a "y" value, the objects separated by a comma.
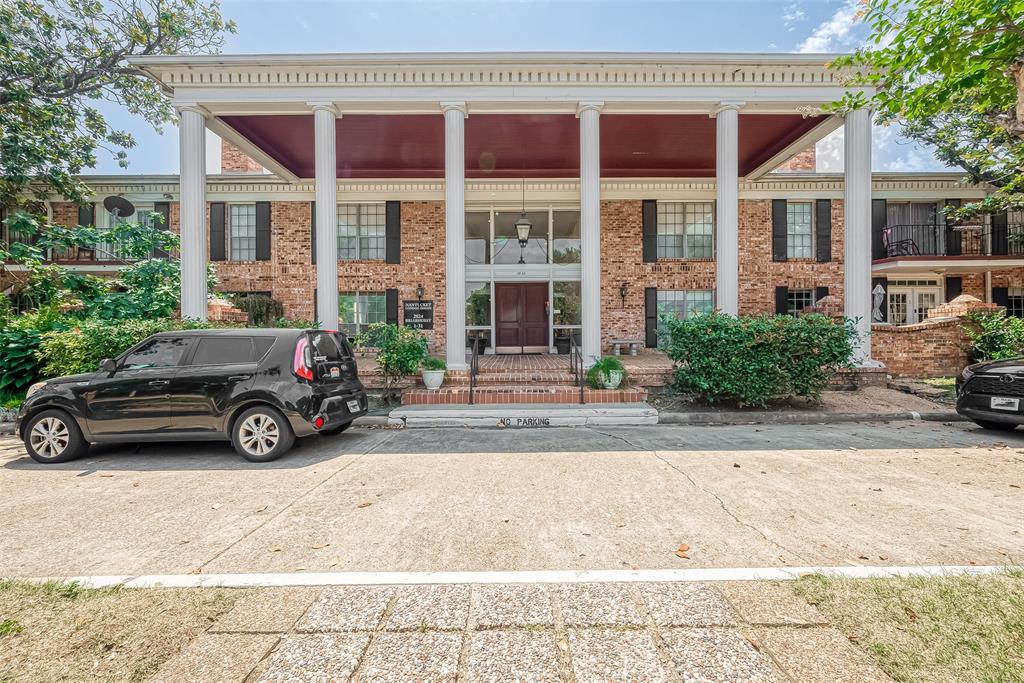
[
  {"x": 1004, "y": 403},
  {"x": 353, "y": 406},
  {"x": 335, "y": 373}
]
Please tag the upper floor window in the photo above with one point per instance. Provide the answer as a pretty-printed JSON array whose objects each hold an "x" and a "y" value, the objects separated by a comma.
[
  {"x": 242, "y": 231},
  {"x": 361, "y": 231},
  {"x": 799, "y": 230},
  {"x": 685, "y": 230},
  {"x": 911, "y": 213},
  {"x": 109, "y": 249}
]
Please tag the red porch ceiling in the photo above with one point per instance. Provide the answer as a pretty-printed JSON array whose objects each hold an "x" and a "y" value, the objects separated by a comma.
[{"x": 516, "y": 146}]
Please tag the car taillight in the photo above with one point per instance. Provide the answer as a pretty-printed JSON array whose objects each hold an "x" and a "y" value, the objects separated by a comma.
[{"x": 299, "y": 365}]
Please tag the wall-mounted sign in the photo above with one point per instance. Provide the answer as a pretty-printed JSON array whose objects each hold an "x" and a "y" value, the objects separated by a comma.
[{"x": 418, "y": 314}]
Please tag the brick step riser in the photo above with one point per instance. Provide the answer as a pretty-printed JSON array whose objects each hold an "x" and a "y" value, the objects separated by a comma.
[{"x": 558, "y": 395}]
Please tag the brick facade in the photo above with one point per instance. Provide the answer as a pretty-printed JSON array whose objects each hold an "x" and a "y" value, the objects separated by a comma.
[
  {"x": 804, "y": 162},
  {"x": 760, "y": 275},
  {"x": 233, "y": 160}
]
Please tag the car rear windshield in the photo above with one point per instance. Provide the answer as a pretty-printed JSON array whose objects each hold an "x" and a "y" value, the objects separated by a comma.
[{"x": 327, "y": 348}]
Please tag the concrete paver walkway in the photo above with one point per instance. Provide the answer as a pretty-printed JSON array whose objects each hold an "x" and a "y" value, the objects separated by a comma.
[{"x": 730, "y": 632}]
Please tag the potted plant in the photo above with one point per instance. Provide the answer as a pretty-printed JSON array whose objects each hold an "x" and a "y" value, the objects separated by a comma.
[
  {"x": 607, "y": 373},
  {"x": 433, "y": 370}
]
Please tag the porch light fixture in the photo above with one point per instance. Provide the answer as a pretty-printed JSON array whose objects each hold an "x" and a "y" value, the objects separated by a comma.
[
  {"x": 623, "y": 288},
  {"x": 523, "y": 227},
  {"x": 419, "y": 292}
]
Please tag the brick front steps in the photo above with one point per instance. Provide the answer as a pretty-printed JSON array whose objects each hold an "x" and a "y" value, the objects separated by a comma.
[{"x": 491, "y": 394}]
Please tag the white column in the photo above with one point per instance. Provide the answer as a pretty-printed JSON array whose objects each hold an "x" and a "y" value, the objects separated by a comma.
[
  {"x": 589, "y": 114},
  {"x": 455, "y": 232},
  {"x": 325, "y": 116},
  {"x": 194, "y": 245},
  {"x": 857, "y": 238},
  {"x": 727, "y": 207}
]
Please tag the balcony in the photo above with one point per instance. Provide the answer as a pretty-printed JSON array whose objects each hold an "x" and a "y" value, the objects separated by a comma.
[{"x": 922, "y": 243}]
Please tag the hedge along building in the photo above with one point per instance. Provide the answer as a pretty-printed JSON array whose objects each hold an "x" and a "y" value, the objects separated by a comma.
[{"x": 395, "y": 183}]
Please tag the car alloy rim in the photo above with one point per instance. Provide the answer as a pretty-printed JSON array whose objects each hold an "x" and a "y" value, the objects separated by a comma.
[
  {"x": 49, "y": 437},
  {"x": 259, "y": 434}
]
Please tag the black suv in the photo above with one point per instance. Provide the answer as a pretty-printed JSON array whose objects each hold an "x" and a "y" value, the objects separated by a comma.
[
  {"x": 258, "y": 388},
  {"x": 992, "y": 394}
]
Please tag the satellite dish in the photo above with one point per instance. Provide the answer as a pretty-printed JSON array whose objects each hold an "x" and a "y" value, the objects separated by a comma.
[{"x": 118, "y": 206}]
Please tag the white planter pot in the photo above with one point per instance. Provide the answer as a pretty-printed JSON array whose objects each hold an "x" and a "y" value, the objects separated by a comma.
[
  {"x": 433, "y": 379},
  {"x": 612, "y": 379}
]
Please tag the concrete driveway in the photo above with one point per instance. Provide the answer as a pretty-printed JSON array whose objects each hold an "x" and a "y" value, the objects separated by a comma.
[{"x": 579, "y": 498}]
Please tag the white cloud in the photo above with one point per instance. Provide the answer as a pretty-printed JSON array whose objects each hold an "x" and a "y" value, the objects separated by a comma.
[
  {"x": 890, "y": 152},
  {"x": 838, "y": 33},
  {"x": 793, "y": 14}
]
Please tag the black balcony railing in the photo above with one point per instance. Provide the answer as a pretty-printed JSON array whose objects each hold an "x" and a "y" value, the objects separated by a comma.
[{"x": 900, "y": 241}]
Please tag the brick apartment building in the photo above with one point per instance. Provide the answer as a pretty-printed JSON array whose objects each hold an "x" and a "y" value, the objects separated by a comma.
[{"x": 363, "y": 188}]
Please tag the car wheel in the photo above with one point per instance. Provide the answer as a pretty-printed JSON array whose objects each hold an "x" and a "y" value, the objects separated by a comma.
[
  {"x": 998, "y": 426},
  {"x": 53, "y": 436},
  {"x": 335, "y": 430},
  {"x": 262, "y": 434}
]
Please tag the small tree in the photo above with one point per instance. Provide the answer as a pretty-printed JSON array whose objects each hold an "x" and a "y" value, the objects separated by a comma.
[
  {"x": 951, "y": 73},
  {"x": 400, "y": 351}
]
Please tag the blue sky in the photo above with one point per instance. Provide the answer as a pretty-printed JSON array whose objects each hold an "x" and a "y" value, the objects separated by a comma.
[{"x": 482, "y": 25}]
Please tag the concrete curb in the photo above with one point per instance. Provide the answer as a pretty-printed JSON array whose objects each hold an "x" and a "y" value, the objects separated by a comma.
[
  {"x": 796, "y": 418},
  {"x": 372, "y": 421},
  {"x": 6, "y": 428}
]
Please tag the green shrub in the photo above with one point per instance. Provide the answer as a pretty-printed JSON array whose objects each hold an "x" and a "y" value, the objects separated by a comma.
[
  {"x": 598, "y": 372},
  {"x": 432, "y": 363},
  {"x": 400, "y": 351},
  {"x": 296, "y": 323},
  {"x": 263, "y": 310},
  {"x": 994, "y": 336},
  {"x": 755, "y": 359},
  {"x": 19, "y": 366},
  {"x": 77, "y": 350}
]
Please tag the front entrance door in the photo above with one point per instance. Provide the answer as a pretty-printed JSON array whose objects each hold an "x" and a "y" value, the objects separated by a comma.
[{"x": 521, "y": 310}]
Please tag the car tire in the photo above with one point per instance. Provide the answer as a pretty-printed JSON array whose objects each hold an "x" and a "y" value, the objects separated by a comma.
[
  {"x": 53, "y": 436},
  {"x": 335, "y": 430},
  {"x": 262, "y": 434},
  {"x": 997, "y": 426}
]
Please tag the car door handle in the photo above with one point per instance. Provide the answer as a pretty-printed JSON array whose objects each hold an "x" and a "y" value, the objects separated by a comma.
[
  {"x": 159, "y": 382},
  {"x": 239, "y": 378}
]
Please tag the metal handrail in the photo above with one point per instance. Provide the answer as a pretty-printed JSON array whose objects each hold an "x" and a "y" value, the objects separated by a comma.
[
  {"x": 576, "y": 363},
  {"x": 474, "y": 366},
  {"x": 967, "y": 238}
]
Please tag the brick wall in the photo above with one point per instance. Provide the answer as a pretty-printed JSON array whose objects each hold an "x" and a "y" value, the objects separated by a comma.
[
  {"x": 760, "y": 275},
  {"x": 934, "y": 348},
  {"x": 804, "y": 162},
  {"x": 233, "y": 160}
]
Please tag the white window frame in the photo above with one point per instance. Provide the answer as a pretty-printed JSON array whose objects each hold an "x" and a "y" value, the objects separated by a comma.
[
  {"x": 361, "y": 311},
  {"x": 687, "y": 250},
  {"x": 108, "y": 251},
  {"x": 791, "y": 232},
  {"x": 361, "y": 235},
  {"x": 229, "y": 229}
]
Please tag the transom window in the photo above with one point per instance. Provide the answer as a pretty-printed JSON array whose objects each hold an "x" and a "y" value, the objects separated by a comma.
[
  {"x": 359, "y": 310},
  {"x": 242, "y": 229},
  {"x": 682, "y": 304},
  {"x": 361, "y": 232},
  {"x": 799, "y": 229},
  {"x": 798, "y": 299},
  {"x": 685, "y": 229}
]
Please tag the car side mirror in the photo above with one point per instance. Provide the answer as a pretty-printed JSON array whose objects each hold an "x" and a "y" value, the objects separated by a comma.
[{"x": 108, "y": 365}]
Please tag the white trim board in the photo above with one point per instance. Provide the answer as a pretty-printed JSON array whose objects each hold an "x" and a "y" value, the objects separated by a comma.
[{"x": 498, "y": 577}]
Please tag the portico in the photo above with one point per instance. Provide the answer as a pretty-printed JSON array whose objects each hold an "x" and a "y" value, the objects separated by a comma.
[{"x": 568, "y": 130}]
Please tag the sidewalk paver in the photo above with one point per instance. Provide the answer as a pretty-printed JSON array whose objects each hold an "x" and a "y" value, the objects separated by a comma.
[{"x": 680, "y": 632}]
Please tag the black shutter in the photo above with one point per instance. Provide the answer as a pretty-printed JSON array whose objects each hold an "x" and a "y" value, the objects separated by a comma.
[
  {"x": 217, "y": 239},
  {"x": 651, "y": 317},
  {"x": 882, "y": 314},
  {"x": 87, "y": 214},
  {"x": 164, "y": 209},
  {"x": 316, "y": 308},
  {"x": 879, "y": 217},
  {"x": 954, "y": 287},
  {"x": 262, "y": 231},
  {"x": 781, "y": 300},
  {"x": 312, "y": 232},
  {"x": 1001, "y": 296},
  {"x": 779, "y": 240},
  {"x": 823, "y": 230},
  {"x": 393, "y": 232},
  {"x": 820, "y": 293},
  {"x": 954, "y": 243},
  {"x": 1000, "y": 234},
  {"x": 650, "y": 238},
  {"x": 391, "y": 306}
]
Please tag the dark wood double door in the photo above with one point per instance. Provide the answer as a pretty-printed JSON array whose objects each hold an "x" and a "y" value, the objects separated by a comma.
[{"x": 521, "y": 311}]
